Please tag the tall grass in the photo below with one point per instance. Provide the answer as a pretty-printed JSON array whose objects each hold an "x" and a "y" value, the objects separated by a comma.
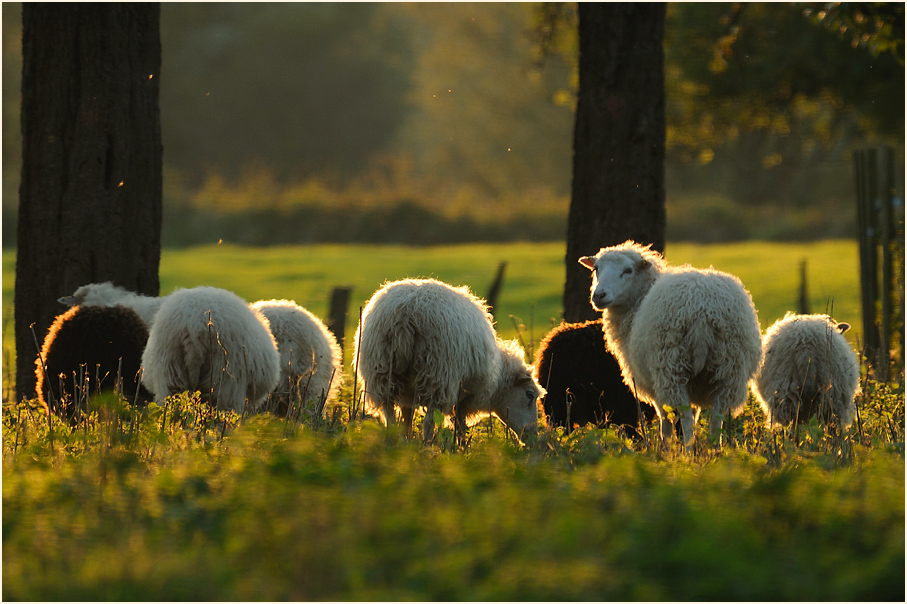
[
  {"x": 180, "y": 502},
  {"x": 183, "y": 503}
]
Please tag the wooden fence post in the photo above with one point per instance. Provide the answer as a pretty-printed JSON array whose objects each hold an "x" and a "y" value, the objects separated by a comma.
[
  {"x": 492, "y": 298},
  {"x": 340, "y": 299},
  {"x": 804, "y": 296},
  {"x": 864, "y": 177},
  {"x": 879, "y": 229}
]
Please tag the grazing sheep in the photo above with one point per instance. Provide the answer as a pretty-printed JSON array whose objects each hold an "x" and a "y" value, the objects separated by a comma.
[
  {"x": 208, "y": 339},
  {"x": 310, "y": 359},
  {"x": 808, "y": 370},
  {"x": 108, "y": 294},
  {"x": 684, "y": 338},
  {"x": 573, "y": 358},
  {"x": 90, "y": 346},
  {"x": 423, "y": 343}
]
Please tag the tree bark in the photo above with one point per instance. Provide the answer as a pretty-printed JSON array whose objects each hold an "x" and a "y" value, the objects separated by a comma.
[
  {"x": 619, "y": 137},
  {"x": 90, "y": 194}
]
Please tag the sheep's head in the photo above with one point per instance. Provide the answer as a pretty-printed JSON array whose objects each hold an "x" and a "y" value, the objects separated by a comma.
[
  {"x": 621, "y": 274},
  {"x": 516, "y": 401},
  {"x": 95, "y": 294}
]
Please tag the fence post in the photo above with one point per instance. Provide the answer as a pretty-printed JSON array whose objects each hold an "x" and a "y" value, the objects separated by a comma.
[
  {"x": 864, "y": 177},
  {"x": 492, "y": 298},
  {"x": 804, "y": 296},
  {"x": 885, "y": 227},
  {"x": 340, "y": 299},
  {"x": 881, "y": 293}
]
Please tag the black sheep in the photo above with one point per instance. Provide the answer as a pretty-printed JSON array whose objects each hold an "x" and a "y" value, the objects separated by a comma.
[
  {"x": 573, "y": 357},
  {"x": 90, "y": 343}
]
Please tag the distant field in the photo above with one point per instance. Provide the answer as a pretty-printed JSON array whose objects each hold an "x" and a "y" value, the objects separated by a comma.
[{"x": 533, "y": 283}]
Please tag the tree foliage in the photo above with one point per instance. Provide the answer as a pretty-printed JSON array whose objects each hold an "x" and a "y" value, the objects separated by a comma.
[{"x": 465, "y": 107}]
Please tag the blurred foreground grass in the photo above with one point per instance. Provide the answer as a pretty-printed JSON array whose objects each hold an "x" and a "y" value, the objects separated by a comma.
[
  {"x": 180, "y": 503},
  {"x": 160, "y": 506}
]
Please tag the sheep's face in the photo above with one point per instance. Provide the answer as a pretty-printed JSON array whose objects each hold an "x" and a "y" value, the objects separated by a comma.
[
  {"x": 614, "y": 277},
  {"x": 95, "y": 294},
  {"x": 518, "y": 408}
]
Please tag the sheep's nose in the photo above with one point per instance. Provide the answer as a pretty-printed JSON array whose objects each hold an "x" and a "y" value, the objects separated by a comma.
[{"x": 600, "y": 296}]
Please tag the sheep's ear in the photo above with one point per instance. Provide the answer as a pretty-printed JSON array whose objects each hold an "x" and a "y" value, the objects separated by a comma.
[
  {"x": 68, "y": 300},
  {"x": 588, "y": 262},
  {"x": 842, "y": 327},
  {"x": 643, "y": 264}
]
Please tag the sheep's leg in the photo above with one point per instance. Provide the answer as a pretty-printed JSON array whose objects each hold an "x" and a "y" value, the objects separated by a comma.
[
  {"x": 667, "y": 429},
  {"x": 715, "y": 424},
  {"x": 428, "y": 424},
  {"x": 686, "y": 421},
  {"x": 388, "y": 413},
  {"x": 460, "y": 423},
  {"x": 678, "y": 398},
  {"x": 408, "y": 413}
]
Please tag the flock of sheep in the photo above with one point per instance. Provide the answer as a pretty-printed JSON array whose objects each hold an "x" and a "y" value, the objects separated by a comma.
[{"x": 679, "y": 339}]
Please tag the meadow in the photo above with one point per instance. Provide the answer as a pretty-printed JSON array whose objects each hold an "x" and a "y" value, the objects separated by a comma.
[
  {"x": 532, "y": 293},
  {"x": 177, "y": 502}
]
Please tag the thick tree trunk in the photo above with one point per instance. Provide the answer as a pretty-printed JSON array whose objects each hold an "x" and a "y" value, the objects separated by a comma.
[
  {"x": 618, "y": 164},
  {"x": 90, "y": 195}
]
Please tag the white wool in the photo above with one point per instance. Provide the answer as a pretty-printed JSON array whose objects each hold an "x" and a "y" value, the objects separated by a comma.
[
  {"x": 807, "y": 359},
  {"x": 208, "y": 339},
  {"x": 108, "y": 294},
  {"x": 423, "y": 343},
  {"x": 310, "y": 359},
  {"x": 684, "y": 337}
]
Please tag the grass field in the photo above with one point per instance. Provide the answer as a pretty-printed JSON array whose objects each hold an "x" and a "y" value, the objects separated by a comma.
[
  {"x": 181, "y": 503},
  {"x": 533, "y": 281}
]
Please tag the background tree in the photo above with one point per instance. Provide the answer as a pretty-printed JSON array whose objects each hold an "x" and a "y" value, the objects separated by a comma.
[
  {"x": 90, "y": 192},
  {"x": 619, "y": 138}
]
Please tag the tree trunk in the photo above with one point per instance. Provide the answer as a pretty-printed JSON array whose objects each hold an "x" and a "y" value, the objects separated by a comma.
[
  {"x": 618, "y": 164},
  {"x": 90, "y": 194}
]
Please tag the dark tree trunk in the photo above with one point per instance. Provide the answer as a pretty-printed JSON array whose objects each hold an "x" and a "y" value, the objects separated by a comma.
[
  {"x": 90, "y": 195},
  {"x": 618, "y": 163}
]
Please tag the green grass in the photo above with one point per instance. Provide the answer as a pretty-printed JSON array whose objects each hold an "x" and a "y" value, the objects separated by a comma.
[
  {"x": 182, "y": 503},
  {"x": 533, "y": 282},
  {"x": 161, "y": 506}
]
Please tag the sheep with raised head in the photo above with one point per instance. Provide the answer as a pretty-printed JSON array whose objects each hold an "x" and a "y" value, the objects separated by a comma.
[
  {"x": 573, "y": 358},
  {"x": 424, "y": 343},
  {"x": 210, "y": 340},
  {"x": 108, "y": 294},
  {"x": 808, "y": 370},
  {"x": 94, "y": 349},
  {"x": 685, "y": 338},
  {"x": 310, "y": 359}
]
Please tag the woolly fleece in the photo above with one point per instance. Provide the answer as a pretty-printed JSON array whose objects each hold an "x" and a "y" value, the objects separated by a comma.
[
  {"x": 573, "y": 357},
  {"x": 108, "y": 294},
  {"x": 310, "y": 359},
  {"x": 208, "y": 339},
  {"x": 684, "y": 337},
  {"x": 90, "y": 342},
  {"x": 424, "y": 343},
  {"x": 808, "y": 363}
]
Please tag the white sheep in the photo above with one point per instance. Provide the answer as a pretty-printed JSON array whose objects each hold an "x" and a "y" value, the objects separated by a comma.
[
  {"x": 808, "y": 370},
  {"x": 684, "y": 337},
  {"x": 208, "y": 339},
  {"x": 310, "y": 359},
  {"x": 108, "y": 294},
  {"x": 423, "y": 343}
]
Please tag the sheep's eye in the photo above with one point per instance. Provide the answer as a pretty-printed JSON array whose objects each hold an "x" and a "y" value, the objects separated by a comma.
[
  {"x": 627, "y": 271},
  {"x": 530, "y": 396}
]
